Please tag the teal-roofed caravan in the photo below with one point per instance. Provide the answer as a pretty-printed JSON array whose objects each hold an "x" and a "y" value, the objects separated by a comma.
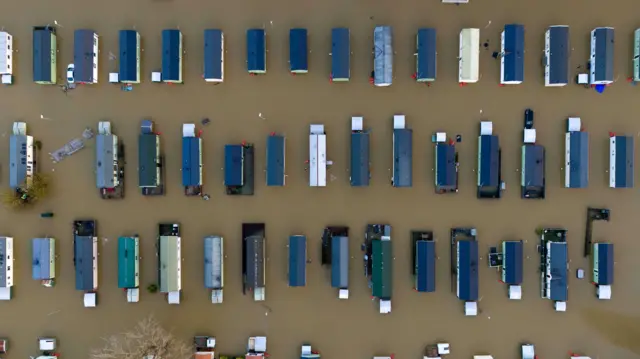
[{"x": 129, "y": 267}]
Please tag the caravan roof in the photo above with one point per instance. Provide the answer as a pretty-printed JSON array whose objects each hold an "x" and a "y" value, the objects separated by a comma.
[
  {"x": 298, "y": 51},
  {"x": 213, "y": 55},
  {"x": 297, "y": 261},
  {"x": 577, "y": 168},
  {"x": 148, "y": 153},
  {"x": 18, "y": 156},
  {"x": 558, "y": 271},
  {"x": 512, "y": 68},
  {"x": 128, "y": 265},
  {"x": 44, "y": 58},
  {"x": 129, "y": 56},
  {"x": 603, "y": 263},
  {"x": 382, "y": 268},
  {"x": 446, "y": 174},
  {"x": 256, "y": 50},
  {"x": 340, "y": 54},
  {"x": 467, "y": 270},
  {"x": 255, "y": 253},
  {"x": 512, "y": 262},
  {"x": 84, "y": 52},
  {"x": 533, "y": 171},
  {"x": 558, "y": 54},
  {"x": 43, "y": 258},
  {"x": 233, "y": 163},
  {"x": 382, "y": 56},
  {"x": 621, "y": 151},
  {"x": 105, "y": 158},
  {"x": 489, "y": 157},
  {"x": 169, "y": 267},
  {"x": 426, "y": 266},
  {"x": 275, "y": 160},
  {"x": 213, "y": 262},
  {"x": 340, "y": 262},
  {"x": 602, "y": 47},
  {"x": 171, "y": 55},
  {"x": 426, "y": 58},
  {"x": 402, "y": 157},
  {"x": 359, "y": 158},
  {"x": 191, "y": 161},
  {"x": 84, "y": 256}
]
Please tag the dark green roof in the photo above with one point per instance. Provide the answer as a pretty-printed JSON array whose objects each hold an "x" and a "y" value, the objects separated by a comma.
[
  {"x": 381, "y": 274},
  {"x": 147, "y": 160}
]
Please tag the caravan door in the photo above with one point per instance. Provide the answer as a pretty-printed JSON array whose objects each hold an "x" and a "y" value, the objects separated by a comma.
[{"x": 469, "y": 56}]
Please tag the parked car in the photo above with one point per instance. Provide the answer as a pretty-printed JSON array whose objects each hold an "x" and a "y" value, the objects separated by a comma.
[
  {"x": 528, "y": 119},
  {"x": 70, "y": 70}
]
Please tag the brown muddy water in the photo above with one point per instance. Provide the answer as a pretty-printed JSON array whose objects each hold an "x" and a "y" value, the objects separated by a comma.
[{"x": 339, "y": 329}]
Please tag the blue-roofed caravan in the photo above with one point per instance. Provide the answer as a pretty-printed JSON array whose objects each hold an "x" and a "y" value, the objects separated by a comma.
[
  {"x": 275, "y": 171},
  {"x": 340, "y": 55},
  {"x": 601, "y": 61},
  {"x": 45, "y": 55},
  {"x": 512, "y": 55},
  {"x": 360, "y": 169},
  {"x": 532, "y": 176},
  {"x": 169, "y": 253},
  {"x": 85, "y": 56},
  {"x": 254, "y": 260},
  {"x": 256, "y": 51},
  {"x": 426, "y": 56},
  {"x": 556, "y": 56},
  {"x": 43, "y": 261},
  {"x": 214, "y": 267},
  {"x": 85, "y": 259},
  {"x": 382, "y": 75},
  {"x": 621, "y": 161},
  {"x": 446, "y": 164},
  {"x": 109, "y": 163},
  {"x": 554, "y": 267},
  {"x": 464, "y": 267},
  {"x": 402, "y": 168},
  {"x": 130, "y": 57},
  {"x": 150, "y": 160},
  {"x": 576, "y": 169},
  {"x": 298, "y": 51},
  {"x": 239, "y": 169},
  {"x": 335, "y": 255},
  {"x": 213, "y": 71},
  {"x": 489, "y": 163},
  {"x": 424, "y": 261},
  {"x": 192, "y": 171},
  {"x": 172, "y": 49},
  {"x": 603, "y": 263},
  {"x": 298, "y": 261},
  {"x": 510, "y": 264}
]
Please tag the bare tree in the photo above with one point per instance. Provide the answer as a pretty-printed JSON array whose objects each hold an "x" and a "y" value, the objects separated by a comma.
[{"x": 147, "y": 340}]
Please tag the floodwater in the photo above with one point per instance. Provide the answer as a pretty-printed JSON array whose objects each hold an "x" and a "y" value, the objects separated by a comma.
[{"x": 339, "y": 329}]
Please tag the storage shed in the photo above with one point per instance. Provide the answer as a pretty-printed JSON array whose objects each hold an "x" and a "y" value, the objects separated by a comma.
[
  {"x": 276, "y": 160},
  {"x": 425, "y": 266},
  {"x": 256, "y": 51},
  {"x": 426, "y": 55},
  {"x": 402, "y": 153},
  {"x": 45, "y": 55},
  {"x": 621, "y": 161},
  {"x": 489, "y": 166},
  {"x": 469, "y": 56},
  {"x": 602, "y": 47},
  {"x": 85, "y": 56},
  {"x": 21, "y": 157},
  {"x": 172, "y": 49},
  {"x": 576, "y": 169},
  {"x": 43, "y": 259},
  {"x": 512, "y": 59},
  {"x": 467, "y": 270},
  {"x": 130, "y": 57},
  {"x": 298, "y": 51},
  {"x": 297, "y": 261},
  {"x": 213, "y": 56},
  {"x": 556, "y": 56},
  {"x": 360, "y": 163},
  {"x": 214, "y": 267},
  {"x": 382, "y": 56},
  {"x": 603, "y": 262},
  {"x": 192, "y": 180},
  {"x": 317, "y": 156},
  {"x": 340, "y": 54},
  {"x": 446, "y": 164},
  {"x": 6, "y": 267},
  {"x": 128, "y": 262}
]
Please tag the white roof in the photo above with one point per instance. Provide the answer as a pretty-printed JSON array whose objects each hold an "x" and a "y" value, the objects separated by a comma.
[
  {"x": 574, "y": 124},
  {"x": 398, "y": 122},
  {"x": 528, "y": 351},
  {"x": 470, "y": 309},
  {"x": 173, "y": 297},
  {"x": 343, "y": 294},
  {"x": 90, "y": 300},
  {"x": 486, "y": 128},
  {"x": 188, "y": 130},
  {"x": 482, "y": 357},
  {"x": 133, "y": 295},
  {"x": 114, "y": 77},
  {"x": 357, "y": 123},
  {"x": 104, "y": 128},
  {"x": 515, "y": 292},
  {"x": 604, "y": 292},
  {"x": 529, "y": 136},
  {"x": 5, "y": 293},
  {"x": 385, "y": 306},
  {"x": 258, "y": 344},
  {"x": 316, "y": 129},
  {"x": 20, "y": 128},
  {"x": 561, "y": 306},
  {"x": 46, "y": 344},
  {"x": 156, "y": 77},
  {"x": 441, "y": 137}
]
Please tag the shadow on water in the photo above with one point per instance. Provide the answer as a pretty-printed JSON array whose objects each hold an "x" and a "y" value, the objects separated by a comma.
[{"x": 619, "y": 329}]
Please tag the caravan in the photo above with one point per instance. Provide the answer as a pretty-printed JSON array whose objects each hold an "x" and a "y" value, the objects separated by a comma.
[
  {"x": 109, "y": 163},
  {"x": 340, "y": 54},
  {"x": 446, "y": 164},
  {"x": 6, "y": 58},
  {"x": 85, "y": 56},
  {"x": 556, "y": 56},
  {"x": 576, "y": 170},
  {"x": 213, "y": 56},
  {"x": 297, "y": 261},
  {"x": 426, "y": 55},
  {"x": 382, "y": 56},
  {"x": 276, "y": 160},
  {"x": 402, "y": 167},
  {"x": 464, "y": 263},
  {"x": 489, "y": 163},
  {"x": 22, "y": 157},
  {"x": 130, "y": 52},
  {"x": 424, "y": 261},
  {"x": 378, "y": 262},
  {"x": 214, "y": 267},
  {"x": 512, "y": 55},
  {"x": 170, "y": 261},
  {"x": 360, "y": 164},
  {"x": 602, "y": 48},
  {"x": 469, "y": 56},
  {"x": 239, "y": 169},
  {"x": 317, "y": 156},
  {"x": 253, "y": 260},
  {"x": 45, "y": 53},
  {"x": 191, "y": 160},
  {"x": 554, "y": 265},
  {"x": 298, "y": 51},
  {"x": 43, "y": 260},
  {"x": 172, "y": 48},
  {"x": 150, "y": 160},
  {"x": 335, "y": 254},
  {"x": 129, "y": 267},
  {"x": 85, "y": 259},
  {"x": 256, "y": 51}
]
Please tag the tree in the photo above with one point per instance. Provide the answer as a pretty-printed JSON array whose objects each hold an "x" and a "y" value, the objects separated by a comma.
[
  {"x": 27, "y": 194},
  {"x": 147, "y": 340}
]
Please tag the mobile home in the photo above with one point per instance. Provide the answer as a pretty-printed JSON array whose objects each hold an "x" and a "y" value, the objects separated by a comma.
[
  {"x": 621, "y": 161},
  {"x": 298, "y": 51},
  {"x": 253, "y": 260},
  {"x": 382, "y": 56},
  {"x": 335, "y": 254},
  {"x": 239, "y": 169},
  {"x": 603, "y": 269},
  {"x": 85, "y": 259},
  {"x": 276, "y": 160},
  {"x": 170, "y": 261},
  {"x": 317, "y": 156},
  {"x": 532, "y": 176},
  {"x": 360, "y": 164},
  {"x": 191, "y": 160},
  {"x": 512, "y": 263},
  {"x": 256, "y": 51},
  {"x": 446, "y": 164},
  {"x": 297, "y": 261},
  {"x": 636, "y": 55},
  {"x": 512, "y": 55},
  {"x": 85, "y": 56},
  {"x": 213, "y": 56},
  {"x": 129, "y": 267},
  {"x": 130, "y": 55},
  {"x": 45, "y": 54},
  {"x": 426, "y": 55},
  {"x": 602, "y": 47},
  {"x": 340, "y": 54},
  {"x": 556, "y": 56},
  {"x": 576, "y": 170},
  {"x": 150, "y": 170},
  {"x": 402, "y": 153},
  {"x": 109, "y": 163},
  {"x": 43, "y": 260},
  {"x": 21, "y": 157},
  {"x": 379, "y": 264},
  {"x": 464, "y": 247},
  {"x": 172, "y": 48},
  {"x": 6, "y": 267},
  {"x": 469, "y": 56},
  {"x": 489, "y": 163},
  {"x": 214, "y": 267},
  {"x": 554, "y": 267},
  {"x": 6, "y": 58},
  {"x": 424, "y": 261}
]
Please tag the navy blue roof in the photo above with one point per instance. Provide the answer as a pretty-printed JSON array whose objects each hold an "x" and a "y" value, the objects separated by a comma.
[
  {"x": 171, "y": 47},
  {"x": 191, "y": 161},
  {"x": 233, "y": 163},
  {"x": 558, "y": 268},
  {"x": 402, "y": 157},
  {"x": 275, "y": 160},
  {"x": 129, "y": 60},
  {"x": 42, "y": 54},
  {"x": 602, "y": 70},
  {"x": 468, "y": 270},
  {"x": 256, "y": 50},
  {"x": 359, "y": 159},
  {"x": 298, "y": 50},
  {"x": 579, "y": 159},
  {"x": 297, "y": 261},
  {"x": 340, "y": 262},
  {"x": 559, "y": 54},
  {"x": 624, "y": 159},
  {"x": 426, "y": 59},
  {"x": 512, "y": 262},
  {"x": 605, "y": 263},
  {"x": 426, "y": 266},
  {"x": 446, "y": 175},
  {"x": 489, "y": 165},
  {"x": 83, "y": 261},
  {"x": 513, "y": 57},
  {"x": 83, "y": 55},
  {"x": 340, "y": 53},
  {"x": 533, "y": 166},
  {"x": 213, "y": 43}
]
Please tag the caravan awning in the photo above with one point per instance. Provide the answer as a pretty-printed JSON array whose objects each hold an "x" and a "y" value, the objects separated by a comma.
[
  {"x": 129, "y": 56},
  {"x": 359, "y": 159},
  {"x": 577, "y": 160},
  {"x": 426, "y": 57},
  {"x": 381, "y": 272},
  {"x": 556, "y": 275},
  {"x": 340, "y": 54},
  {"x": 128, "y": 262},
  {"x": 213, "y": 262},
  {"x": 621, "y": 158},
  {"x": 297, "y": 261},
  {"x": 171, "y": 55},
  {"x": 275, "y": 160},
  {"x": 298, "y": 51},
  {"x": 106, "y": 156},
  {"x": 256, "y": 51},
  {"x": 191, "y": 161},
  {"x": 512, "y": 262},
  {"x": 340, "y": 262},
  {"x": 426, "y": 266},
  {"x": 603, "y": 263},
  {"x": 402, "y": 157},
  {"x": 43, "y": 258},
  {"x": 85, "y": 256},
  {"x": 233, "y": 165},
  {"x": 213, "y": 55},
  {"x": 467, "y": 268}
]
